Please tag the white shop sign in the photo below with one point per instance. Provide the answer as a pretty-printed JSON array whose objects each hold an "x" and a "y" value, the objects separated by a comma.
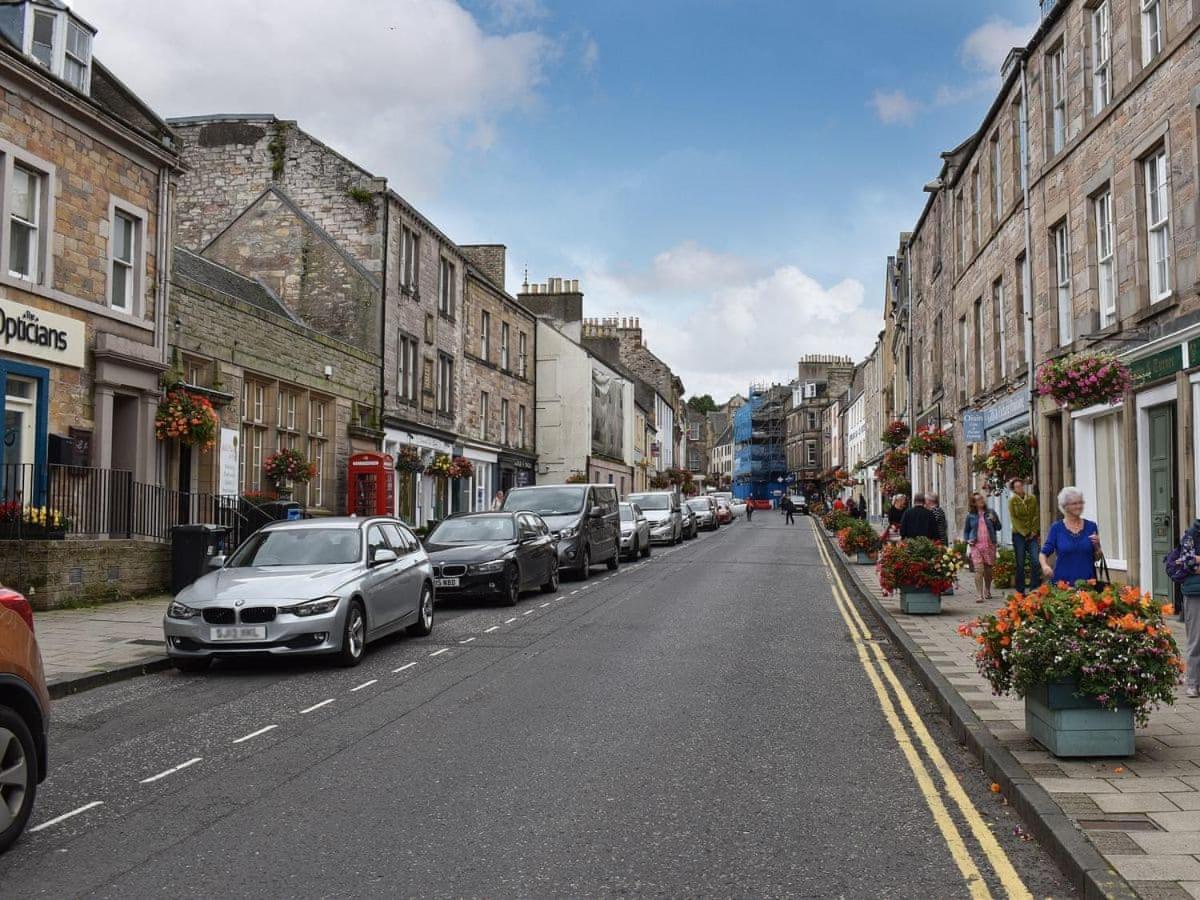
[
  {"x": 228, "y": 485},
  {"x": 421, "y": 441},
  {"x": 42, "y": 335}
]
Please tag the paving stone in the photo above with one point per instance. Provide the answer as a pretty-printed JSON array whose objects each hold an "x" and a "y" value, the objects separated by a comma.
[
  {"x": 1076, "y": 785},
  {"x": 1160, "y": 890},
  {"x": 1156, "y": 868},
  {"x": 1148, "y": 785},
  {"x": 1188, "y": 820},
  {"x": 1120, "y": 803},
  {"x": 1109, "y": 842}
]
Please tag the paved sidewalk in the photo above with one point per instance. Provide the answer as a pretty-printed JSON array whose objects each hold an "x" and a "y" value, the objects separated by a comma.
[
  {"x": 85, "y": 647},
  {"x": 1142, "y": 813}
]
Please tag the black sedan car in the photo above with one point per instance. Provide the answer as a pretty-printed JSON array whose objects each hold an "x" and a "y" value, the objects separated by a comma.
[{"x": 490, "y": 555}]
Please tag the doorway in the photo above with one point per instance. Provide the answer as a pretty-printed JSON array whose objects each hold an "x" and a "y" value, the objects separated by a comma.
[{"x": 1163, "y": 502}]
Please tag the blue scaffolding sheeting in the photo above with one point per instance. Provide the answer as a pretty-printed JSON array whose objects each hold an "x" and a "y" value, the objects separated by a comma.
[{"x": 759, "y": 456}]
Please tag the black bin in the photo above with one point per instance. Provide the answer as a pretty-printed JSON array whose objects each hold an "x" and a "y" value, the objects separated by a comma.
[
  {"x": 192, "y": 546},
  {"x": 282, "y": 510}
]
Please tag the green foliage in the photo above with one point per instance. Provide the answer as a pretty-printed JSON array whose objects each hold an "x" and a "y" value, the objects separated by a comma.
[
  {"x": 702, "y": 404},
  {"x": 361, "y": 195},
  {"x": 278, "y": 150}
]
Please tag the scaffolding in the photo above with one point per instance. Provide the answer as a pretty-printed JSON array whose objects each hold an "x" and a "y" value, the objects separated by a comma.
[{"x": 760, "y": 442}]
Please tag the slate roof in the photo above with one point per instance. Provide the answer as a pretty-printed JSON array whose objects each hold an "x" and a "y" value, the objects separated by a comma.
[{"x": 188, "y": 266}]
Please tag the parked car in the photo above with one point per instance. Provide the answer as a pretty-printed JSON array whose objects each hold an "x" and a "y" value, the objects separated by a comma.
[
  {"x": 662, "y": 508},
  {"x": 737, "y": 507},
  {"x": 583, "y": 517},
  {"x": 24, "y": 716},
  {"x": 691, "y": 525},
  {"x": 635, "y": 531},
  {"x": 492, "y": 554},
  {"x": 705, "y": 509},
  {"x": 724, "y": 511},
  {"x": 800, "y": 502},
  {"x": 309, "y": 587}
]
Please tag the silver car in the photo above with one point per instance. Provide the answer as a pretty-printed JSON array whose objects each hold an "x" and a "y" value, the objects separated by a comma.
[
  {"x": 705, "y": 509},
  {"x": 635, "y": 532},
  {"x": 319, "y": 586}
]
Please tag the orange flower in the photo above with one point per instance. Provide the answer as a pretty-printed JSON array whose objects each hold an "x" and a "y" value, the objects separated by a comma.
[
  {"x": 1168, "y": 609},
  {"x": 1005, "y": 641}
]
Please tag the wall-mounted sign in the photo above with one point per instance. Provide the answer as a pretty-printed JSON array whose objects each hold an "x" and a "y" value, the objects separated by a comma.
[
  {"x": 228, "y": 480},
  {"x": 42, "y": 335},
  {"x": 1157, "y": 365},
  {"x": 973, "y": 427}
]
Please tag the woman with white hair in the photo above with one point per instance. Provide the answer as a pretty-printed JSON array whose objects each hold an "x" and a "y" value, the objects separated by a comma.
[{"x": 1073, "y": 541}]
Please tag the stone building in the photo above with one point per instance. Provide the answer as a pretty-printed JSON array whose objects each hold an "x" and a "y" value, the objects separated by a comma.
[
  {"x": 1096, "y": 127},
  {"x": 820, "y": 379},
  {"x": 274, "y": 381},
  {"x": 86, "y": 190},
  {"x": 499, "y": 403}
]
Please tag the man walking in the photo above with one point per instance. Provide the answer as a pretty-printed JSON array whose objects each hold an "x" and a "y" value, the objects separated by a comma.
[
  {"x": 749, "y": 509},
  {"x": 939, "y": 516},
  {"x": 789, "y": 509},
  {"x": 918, "y": 521},
  {"x": 1026, "y": 523}
]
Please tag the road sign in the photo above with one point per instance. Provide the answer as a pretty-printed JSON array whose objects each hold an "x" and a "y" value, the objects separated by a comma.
[
  {"x": 791, "y": 479},
  {"x": 972, "y": 423}
]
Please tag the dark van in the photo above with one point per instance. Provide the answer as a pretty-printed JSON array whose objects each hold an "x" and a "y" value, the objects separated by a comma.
[{"x": 585, "y": 518}]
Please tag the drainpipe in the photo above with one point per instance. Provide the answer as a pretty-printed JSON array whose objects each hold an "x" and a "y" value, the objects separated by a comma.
[
  {"x": 156, "y": 457},
  {"x": 383, "y": 394},
  {"x": 910, "y": 401},
  {"x": 1027, "y": 286}
]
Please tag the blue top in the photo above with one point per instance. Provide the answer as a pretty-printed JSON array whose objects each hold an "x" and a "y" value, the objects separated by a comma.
[
  {"x": 972, "y": 526},
  {"x": 1074, "y": 555}
]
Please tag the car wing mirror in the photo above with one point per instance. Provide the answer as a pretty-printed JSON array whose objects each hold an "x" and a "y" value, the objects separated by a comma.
[
  {"x": 214, "y": 563},
  {"x": 596, "y": 512},
  {"x": 383, "y": 555}
]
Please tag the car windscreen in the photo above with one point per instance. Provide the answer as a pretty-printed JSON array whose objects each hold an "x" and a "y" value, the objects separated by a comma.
[
  {"x": 651, "y": 501},
  {"x": 461, "y": 531},
  {"x": 551, "y": 500},
  {"x": 626, "y": 512},
  {"x": 699, "y": 505},
  {"x": 299, "y": 547}
]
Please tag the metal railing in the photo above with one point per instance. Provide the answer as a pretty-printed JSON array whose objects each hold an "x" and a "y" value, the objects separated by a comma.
[{"x": 56, "y": 500}]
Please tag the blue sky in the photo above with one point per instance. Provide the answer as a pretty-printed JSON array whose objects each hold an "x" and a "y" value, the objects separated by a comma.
[{"x": 734, "y": 173}]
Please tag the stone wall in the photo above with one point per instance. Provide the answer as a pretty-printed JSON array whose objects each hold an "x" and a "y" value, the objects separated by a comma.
[{"x": 61, "y": 573}]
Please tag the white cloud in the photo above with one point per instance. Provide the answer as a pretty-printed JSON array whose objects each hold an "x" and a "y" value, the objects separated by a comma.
[
  {"x": 985, "y": 48},
  {"x": 591, "y": 55},
  {"x": 396, "y": 86},
  {"x": 513, "y": 12},
  {"x": 894, "y": 107}
]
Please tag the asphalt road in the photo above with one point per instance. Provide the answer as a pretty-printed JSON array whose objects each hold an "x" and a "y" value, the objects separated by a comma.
[{"x": 699, "y": 724}]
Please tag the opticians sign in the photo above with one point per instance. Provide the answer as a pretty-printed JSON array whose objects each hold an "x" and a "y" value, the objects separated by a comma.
[{"x": 45, "y": 336}]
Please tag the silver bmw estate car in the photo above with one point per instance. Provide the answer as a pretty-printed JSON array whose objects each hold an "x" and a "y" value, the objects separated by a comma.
[{"x": 318, "y": 586}]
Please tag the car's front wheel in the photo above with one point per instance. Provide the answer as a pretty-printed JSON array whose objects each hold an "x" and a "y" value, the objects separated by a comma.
[
  {"x": 423, "y": 627},
  {"x": 646, "y": 550},
  {"x": 585, "y": 565},
  {"x": 18, "y": 775},
  {"x": 511, "y": 594},
  {"x": 354, "y": 635}
]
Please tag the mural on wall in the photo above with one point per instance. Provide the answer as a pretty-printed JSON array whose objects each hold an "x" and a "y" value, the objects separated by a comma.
[{"x": 607, "y": 415}]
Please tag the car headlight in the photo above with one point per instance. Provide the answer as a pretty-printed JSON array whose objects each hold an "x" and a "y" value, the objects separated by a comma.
[
  {"x": 570, "y": 532},
  {"x": 313, "y": 607},
  {"x": 178, "y": 610},
  {"x": 496, "y": 565}
]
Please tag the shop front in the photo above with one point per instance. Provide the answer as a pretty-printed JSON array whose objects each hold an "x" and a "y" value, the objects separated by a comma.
[
  {"x": 1008, "y": 415},
  {"x": 475, "y": 494},
  {"x": 517, "y": 470},
  {"x": 420, "y": 498}
]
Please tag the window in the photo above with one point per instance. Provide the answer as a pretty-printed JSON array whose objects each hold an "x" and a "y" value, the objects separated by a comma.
[
  {"x": 485, "y": 336},
  {"x": 1017, "y": 116},
  {"x": 935, "y": 353},
  {"x": 484, "y": 415},
  {"x": 445, "y": 384},
  {"x": 521, "y": 426},
  {"x": 1108, "y": 445},
  {"x": 961, "y": 228},
  {"x": 1062, "y": 279},
  {"x": 1101, "y": 57},
  {"x": 522, "y": 356},
  {"x": 1022, "y": 312},
  {"x": 976, "y": 209},
  {"x": 318, "y": 451},
  {"x": 997, "y": 181},
  {"x": 42, "y": 45},
  {"x": 285, "y": 409},
  {"x": 977, "y": 355},
  {"x": 1158, "y": 225},
  {"x": 1105, "y": 274},
  {"x": 811, "y": 453},
  {"x": 504, "y": 346},
  {"x": 406, "y": 364},
  {"x": 962, "y": 359},
  {"x": 1152, "y": 34},
  {"x": 410, "y": 244},
  {"x": 812, "y": 421},
  {"x": 1000, "y": 327},
  {"x": 25, "y": 216},
  {"x": 446, "y": 289},
  {"x": 1057, "y": 78},
  {"x": 78, "y": 57},
  {"x": 254, "y": 434},
  {"x": 504, "y": 422},
  {"x": 316, "y": 418},
  {"x": 125, "y": 247}
]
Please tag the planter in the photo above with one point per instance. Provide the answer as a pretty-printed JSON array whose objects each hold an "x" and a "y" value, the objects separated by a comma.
[
  {"x": 863, "y": 559},
  {"x": 31, "y": 533},
  {"x": 916, "y": 602},
  {"x": 1067, "y": 725}
]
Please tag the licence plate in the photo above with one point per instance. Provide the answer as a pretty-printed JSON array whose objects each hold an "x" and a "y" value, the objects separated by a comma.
[
  {"x": 239, "y": 633},
  {"x": 445, "y": 582}
]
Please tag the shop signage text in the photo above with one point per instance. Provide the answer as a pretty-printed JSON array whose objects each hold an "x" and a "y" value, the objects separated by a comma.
[
  {"x": 1157, "y": 365},
  {"x": 42, "y": 335}
]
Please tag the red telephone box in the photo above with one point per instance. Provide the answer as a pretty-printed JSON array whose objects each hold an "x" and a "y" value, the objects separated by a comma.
[{"x": 371, "y": 485}]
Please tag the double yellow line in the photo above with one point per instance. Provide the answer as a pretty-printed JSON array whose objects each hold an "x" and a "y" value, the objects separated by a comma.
[{"x": 878, "y": 670}]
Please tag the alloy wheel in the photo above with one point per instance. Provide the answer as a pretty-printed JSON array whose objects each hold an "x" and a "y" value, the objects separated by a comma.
[
  {"x": 355, "y": 633},
  {"x": 14, "y": 777},
  {"x": 427, "y": 609}
]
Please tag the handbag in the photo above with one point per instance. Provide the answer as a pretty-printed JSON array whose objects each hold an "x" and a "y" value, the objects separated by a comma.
[{"x": 1103, "y": 576}]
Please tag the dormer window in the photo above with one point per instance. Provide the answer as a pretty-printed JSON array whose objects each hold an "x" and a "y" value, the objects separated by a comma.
[{"x": 59, "y": 42}]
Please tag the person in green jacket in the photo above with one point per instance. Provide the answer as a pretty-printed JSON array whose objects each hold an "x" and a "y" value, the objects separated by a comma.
[{"x": 1026, "y": 525}]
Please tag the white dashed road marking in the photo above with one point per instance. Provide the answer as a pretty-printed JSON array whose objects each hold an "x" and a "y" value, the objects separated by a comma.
[
  {"x": 66, "y": 816},
  {"x": 255, "y": 734},
  {"x": 439, "y": 652},
  {"x": 170, "y": 771},
  {"x": 313, "y": 708},
  {"x": 365, "y": 684},
  {"x": 490, "y": 630},
  {"x": 544, "y": 605},
  {"x": 510, "y": 621},
  {"x": 467, "y": 640},
  {"x": 528, "y": 612},
  {"x": 403, "y": 667}
]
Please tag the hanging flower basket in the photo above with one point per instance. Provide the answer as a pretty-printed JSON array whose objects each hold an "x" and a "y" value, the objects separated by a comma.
[
  {"x": 658, "y": 482},
  {"x": 895, "y": 434},
  {"x": 1009, "y": 457},
  {"x": 581, "y": 478},
  {"x": 442, "y": 466},
  {"x": 187, "y": 418},
  {"x": 931, "y": 441},
  {"x": 408, "y": 459},
  {"x": 461, "y": 467},
  {"x": 1084, "y": 379},
  {"x": 284, "y": 466},
  {"x": 892, "y": 472}
]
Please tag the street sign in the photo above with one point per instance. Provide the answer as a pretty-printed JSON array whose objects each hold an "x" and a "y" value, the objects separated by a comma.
[
  {"x": 791, "y": 479},
  {"x": 972, "y": 423}
]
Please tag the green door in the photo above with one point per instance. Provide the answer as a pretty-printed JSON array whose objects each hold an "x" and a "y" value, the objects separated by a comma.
[{"x": 1162, "y": 495}]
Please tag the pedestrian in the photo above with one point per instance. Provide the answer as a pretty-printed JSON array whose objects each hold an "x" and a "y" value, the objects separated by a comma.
[
  {"x": 789, "y": 509},
  {"x": 749, "y": 509},
  {"x": 498, "y": 501},
  {"x": 894, "y": 514},
  {"x": 981, "y": 532},
  {"x": 918, "y": 521},
  {"x": 1073, "y": 541},
  {"x": 1026, "y": 526},
  {"x": 839, "y": 505},
  {"x": 933, "y": 504},
  {"x": 862, "y": 507},
  {"x": 1188, "y": 579}
]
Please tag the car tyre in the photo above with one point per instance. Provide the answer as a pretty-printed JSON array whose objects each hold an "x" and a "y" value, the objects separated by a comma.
[
  {"x": 423, "y": 627},
  {"x": 512, "y": 587},
  {"x": 552, "y": 585},
  {"x": 190, "y": 665},
  {"x": 646, "y": 550},
  {"x": 354, "y": 635},
  {"x": 584, "y": 572},
  {"x": 614, "y": 561},
  {"x": 18, "y": 775}
]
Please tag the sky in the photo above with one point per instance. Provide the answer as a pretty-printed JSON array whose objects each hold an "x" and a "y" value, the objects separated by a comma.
[{"x": 732, "y": 172}]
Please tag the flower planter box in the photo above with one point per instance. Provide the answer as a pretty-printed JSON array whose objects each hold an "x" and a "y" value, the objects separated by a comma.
[
  {"x": 1068, "y": 726},
  {"x": 863, "y": 559},
  {"x": 916, "y": 602},
  {"x": 31, "y": 533}
]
